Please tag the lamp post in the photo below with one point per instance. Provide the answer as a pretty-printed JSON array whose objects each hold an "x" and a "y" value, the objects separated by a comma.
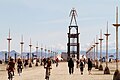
[
  {"x": 9, "y": 39},
  {"x": 37, "y": 55},
  {"x": 30, "y": 45},
  {"x": 101, "y": 67},
  {"x": 5, "y": 57},
  {"x": 96, "y": 66},
  {"x": 54, "y": 55},
  {"x": 94, "y": 53},
  {"x": 49, "y": 53},
  {"x": 41, "y": 56},
  {"x": 116, "y": 25},
  {"x": 22, "y": 48},
  {"x": 107, "y": 71},
  {"x": 45, "y": 52}
]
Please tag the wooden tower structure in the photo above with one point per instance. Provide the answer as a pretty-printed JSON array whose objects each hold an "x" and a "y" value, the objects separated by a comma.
[{"x": 73, "y": 37}]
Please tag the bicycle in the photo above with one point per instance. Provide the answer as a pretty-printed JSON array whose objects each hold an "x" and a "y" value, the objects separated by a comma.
[
  {"x": 10, "y": 75},
  {"x": 19, "y": 69},
  {"x": 47, "y": 73}
]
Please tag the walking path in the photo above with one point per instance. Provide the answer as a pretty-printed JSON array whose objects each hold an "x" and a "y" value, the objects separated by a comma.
[{"x": 58, "y": 73}]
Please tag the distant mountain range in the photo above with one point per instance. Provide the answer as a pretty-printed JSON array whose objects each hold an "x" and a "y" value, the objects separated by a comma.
[
  {"x": 111, "y": 52},
  {"x": 24, "y": 54},
  {"x": 12, "y": 54}
]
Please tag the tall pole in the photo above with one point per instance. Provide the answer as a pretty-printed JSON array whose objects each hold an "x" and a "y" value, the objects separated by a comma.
[
  {"x": 9, "y": 39},
  {"x": 49, "y": 53},
  {"x": 30, "y": 45},
  {"x": 5, "y": 57},
  {"x": 107, "y": 71},
  {"x": 54, "y": 55},
  {"x": 45, "y": 52},
  {"x": 116, "y": 25},
  {"x": 37, "y": 54},
  {"x": 94, "y": 53},
  {"x": 100, "y": 67},
  {"x": 96, "y": 67},
  {"x": 22, "y": 47},
  {"x": 37, "y": 49},
  {"x": 41, "y": 55}
]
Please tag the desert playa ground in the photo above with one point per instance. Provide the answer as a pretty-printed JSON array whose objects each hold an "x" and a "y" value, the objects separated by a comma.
[{"x": 59, "y": 73}]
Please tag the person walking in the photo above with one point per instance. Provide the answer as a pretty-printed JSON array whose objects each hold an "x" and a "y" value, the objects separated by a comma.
[
  {"x": 26, "y": 63},
  {"x": 71, "y": 66},
  {"x": 48, "y": 67},
  {"x": 44, "y": 61},
  {"x": 81, "y": 66},
  {"x": 89, "y": 66},
  {"x": 77, "y": 63},
  {"x": 57, "y": 60}
]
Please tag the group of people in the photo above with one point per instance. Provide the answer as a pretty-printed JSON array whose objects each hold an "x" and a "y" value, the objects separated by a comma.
[
  {"x": 47, "y": 63},
  {"x": 52, "y": 61},
  {"x": 11, "y": 66},
  {"x": 81, "y": 64}
]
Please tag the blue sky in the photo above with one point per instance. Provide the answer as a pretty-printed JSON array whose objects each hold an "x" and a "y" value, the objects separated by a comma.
[{"x": 47, "y": 21}]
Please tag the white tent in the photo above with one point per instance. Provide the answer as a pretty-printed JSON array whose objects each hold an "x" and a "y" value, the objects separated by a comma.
[{"x": 59, "y": 57}]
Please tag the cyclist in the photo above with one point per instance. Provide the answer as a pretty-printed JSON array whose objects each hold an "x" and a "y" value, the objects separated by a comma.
[
  {"x": 11, "y": 66},
  {"x": 19, "y": 66}
]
